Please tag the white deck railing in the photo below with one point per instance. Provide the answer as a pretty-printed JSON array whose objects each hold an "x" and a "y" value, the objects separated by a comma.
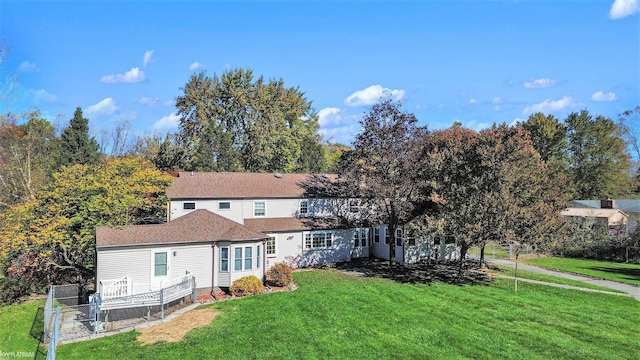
[{"x": 123, "y": 293}]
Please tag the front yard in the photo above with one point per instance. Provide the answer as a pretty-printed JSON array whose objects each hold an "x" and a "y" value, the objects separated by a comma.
[
  {"x": 621, "y": 272},
  {"x": 336, "y": 315}
]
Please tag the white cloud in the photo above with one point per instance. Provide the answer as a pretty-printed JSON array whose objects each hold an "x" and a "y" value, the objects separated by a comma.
[
  {"x": 540, "y": 83},
  {"x": 548, "y": 106},
  {"x": 329, "y": 116},
  {"x": 132, "y": 76},
  {"x": 603, "y": 97},
  {"x": 105, "y": 107},
  {"x": 27, "y": 66},
  {"x": 42, "y": 96},
  {"x": 497, "y": 100},
  {"x": 153, "y": 102},
  {"x": 473, "y": 101},
  {"x": 169, "y": 122},
  {"x": 197, "y": 66},
  {"x": 371, "y": 95},
  {"x": 623, "y": 8},
  {"x": 147, "y": 58}
]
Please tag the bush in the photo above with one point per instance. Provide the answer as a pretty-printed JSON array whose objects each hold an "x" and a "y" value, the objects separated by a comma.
[
  {"x": 12, "y": 289},
  {"x": 248, "y": 285},
  {"x": 281, "y": 274}
]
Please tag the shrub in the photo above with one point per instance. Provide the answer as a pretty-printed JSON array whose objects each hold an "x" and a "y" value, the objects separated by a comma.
[
  {"x": 281, "y": 274},
  {"x": 12, "y": 289},
  {"x": 248, "y": 285}
]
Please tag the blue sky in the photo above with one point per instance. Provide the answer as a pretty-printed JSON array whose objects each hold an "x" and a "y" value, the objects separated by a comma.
[{"x": 477, "y": 62}]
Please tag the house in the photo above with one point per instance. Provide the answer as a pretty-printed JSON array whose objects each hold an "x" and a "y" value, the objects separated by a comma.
[
  {"x": 222, "y": 226},
  {"x": 629, "y": 207},
  {"x": 611, "y": 220}
]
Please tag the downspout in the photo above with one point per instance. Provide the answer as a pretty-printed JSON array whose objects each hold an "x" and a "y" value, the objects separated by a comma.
[{"x": 213, "y": 268}]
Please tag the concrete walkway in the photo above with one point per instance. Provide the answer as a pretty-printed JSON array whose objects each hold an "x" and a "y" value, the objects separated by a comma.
[{"x": 627, "y": 288}]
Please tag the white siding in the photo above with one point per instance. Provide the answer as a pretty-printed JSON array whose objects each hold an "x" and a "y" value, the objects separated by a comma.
[
  {"x": 194, "y": 258},
  {"x": 340, "y": 251},
  {"x": 235, "y": 213},
  {"x": 225, "y": 279},
  {"x": 137, "y": 263},
  {"x": 117, "y": 263},
  {"x": 288, "y": 247}
]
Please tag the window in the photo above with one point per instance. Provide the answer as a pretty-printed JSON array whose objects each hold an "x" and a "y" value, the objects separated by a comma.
[
  {"x": 450, "y": 240},
  {"x": 318, "y": 240},
  {"x": 304, "y": 207},
  {"x": 248, "y": 258},
  {"x": 189, "y": 206},
  {"x": 387, "y": 236},
  {"x": 259, "y": 208},
  {"x": 224, "y": 259},
  {"x": 398, "y": 237},
  {"x": 224, "y": 205},
  {"x": 160, "y": 264},
  {"x": 360, "y": 237},
  {"x": 376, "y": 234},
  {"x": 354, "y": 205},
  {"x": 237, "y": 259},
  {"x": 258, "y": 257},
  {"x": 411, "y": 241},
  {"x": 271, "y": 246}
]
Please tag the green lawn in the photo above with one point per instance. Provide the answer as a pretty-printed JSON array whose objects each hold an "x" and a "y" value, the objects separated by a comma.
[
  {"x": 15, "y": 323},
  {"x": 523, "y": 274},
  {"x": 334, "y": 315},
  {"x": 626, "y": 273}
]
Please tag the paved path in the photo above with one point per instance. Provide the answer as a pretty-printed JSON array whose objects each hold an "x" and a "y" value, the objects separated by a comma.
[{"x": 627, "y": 288}]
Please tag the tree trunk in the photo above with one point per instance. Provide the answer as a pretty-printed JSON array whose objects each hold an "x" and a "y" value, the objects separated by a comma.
[
  {"x": 392, "y": 244},
  {"x": 463, "y": 252},
  {"x": 482, "y": 255}
]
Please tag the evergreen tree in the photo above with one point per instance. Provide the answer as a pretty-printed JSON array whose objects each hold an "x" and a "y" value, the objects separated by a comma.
[{"x": 76, "y": 147}]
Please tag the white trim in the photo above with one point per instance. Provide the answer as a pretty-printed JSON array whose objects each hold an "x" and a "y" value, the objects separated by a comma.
[
  {"x": 254, "y": 208},
  {"x": 275, "y": 246},
  {"x": 329, "y": 236},
  {"x": 160, "y": 278},
  {"x": 224, "y": 202}
]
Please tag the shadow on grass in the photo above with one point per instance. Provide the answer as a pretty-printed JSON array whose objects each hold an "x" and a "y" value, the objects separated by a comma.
[
  {"x": 423, "y": 272},
  {"x": 629, "y": 274}
]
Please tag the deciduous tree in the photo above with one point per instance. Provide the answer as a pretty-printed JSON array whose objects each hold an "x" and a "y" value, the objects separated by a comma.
[
  {"x": 53, "y": 236},
  {"x": 382, "y": 169},
  {"x": 236, "y": 123},
  {"x": 599, "y": 162}
]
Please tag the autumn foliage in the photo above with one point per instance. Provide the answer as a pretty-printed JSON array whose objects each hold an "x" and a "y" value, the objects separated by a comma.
[{"x": 52, "y": 238}]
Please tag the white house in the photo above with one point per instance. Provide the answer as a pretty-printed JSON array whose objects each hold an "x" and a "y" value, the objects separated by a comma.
[{"x": 222, "y": 226}]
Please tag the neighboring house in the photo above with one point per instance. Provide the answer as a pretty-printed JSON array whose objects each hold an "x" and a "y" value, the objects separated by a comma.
[
  {"x": 629, "y": 206},
  {"x": 222, "y": 226},
  {"x": 610, "y": 219}
]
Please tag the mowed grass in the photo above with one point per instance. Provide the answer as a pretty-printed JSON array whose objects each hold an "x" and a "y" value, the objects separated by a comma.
[
  {"x": 523, "y": 274},
  {"x": 335, "y": 315},
  {"x": 15, "y": 323},
  {"x": 626, "y": 273}
]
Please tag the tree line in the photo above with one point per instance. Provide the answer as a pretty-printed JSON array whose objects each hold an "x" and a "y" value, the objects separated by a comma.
[{"x": 506, "y": 182}]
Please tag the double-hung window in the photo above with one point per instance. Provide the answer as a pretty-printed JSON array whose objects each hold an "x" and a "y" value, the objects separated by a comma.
[
  {"x": 398, "y": 237},
  {"x": 304, "y": 207},
  {"x": 160, "y": 264},
  {"x": 259, "y": 208},
  {"x": 387, "y": 236},
  {"x": 248, "y": 258},
  {"x": 360, "y": 237},
  {"x": 271, "y": 246},
  {"x": 318, "y": 240},
  {"x": 376, "y": 234},
  {"x": 354, "y": 205},
  {"x": 224, "y": 259},
  {"x": 237, "y": 259},
  {"x": 258, "y": 257}
]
